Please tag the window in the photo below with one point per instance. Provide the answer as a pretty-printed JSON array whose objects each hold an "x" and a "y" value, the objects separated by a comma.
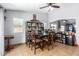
[
  {"x": 18, "y": 25},
  {"x": 62, "y": 28},
  {"x": 53, "y": 26}
]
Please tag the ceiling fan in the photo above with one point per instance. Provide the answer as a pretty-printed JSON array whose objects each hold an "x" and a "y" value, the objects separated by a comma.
[{"x": 50, "y": 5}]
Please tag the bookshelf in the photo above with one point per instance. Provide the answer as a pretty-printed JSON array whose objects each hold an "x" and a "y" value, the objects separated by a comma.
[{"x": 34, "y": 25}]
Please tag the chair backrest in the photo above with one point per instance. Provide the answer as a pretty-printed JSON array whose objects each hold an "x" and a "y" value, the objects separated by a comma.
[
  {"x": 32, "y": 35},
  {"x": 60, "y": 35},
  {"x": 50, "y": 35},
  {"x": 28, "y": 34}
]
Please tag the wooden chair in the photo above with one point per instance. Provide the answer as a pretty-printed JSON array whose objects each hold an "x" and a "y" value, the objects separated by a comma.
[
  {"x": 59, "y": 37},
  {"x": 49, "y": 40},
  {"x": 28, "y": 42},
  {"x": 35, "y": 41}
]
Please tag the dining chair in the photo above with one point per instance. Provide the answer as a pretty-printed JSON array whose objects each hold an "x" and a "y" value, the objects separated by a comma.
[
  {"x": 49, "y": 40},
  {"x": 59, "y": 37},
  {"x": 28, "y": 42},
  {"x": 35, "y": 41}
]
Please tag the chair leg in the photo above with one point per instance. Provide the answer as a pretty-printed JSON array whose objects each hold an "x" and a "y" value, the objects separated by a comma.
[
  {"x": 35, "y": 49},
  {"x": 42, "y": 45},
  {"x": 48, "y": 46},
  {"x": 31, "y": 47},
  {"x": 52, "y": 43},
  {"x": 29, "y": 44}
]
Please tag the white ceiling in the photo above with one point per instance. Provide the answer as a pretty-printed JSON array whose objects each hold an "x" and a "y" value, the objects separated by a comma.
[{"x": 33, "y": 7}]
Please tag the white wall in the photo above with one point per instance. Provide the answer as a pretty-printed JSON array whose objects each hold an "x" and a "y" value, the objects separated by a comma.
[
  {"x": 1, "y": 32},
  {"x": 71, "y": 11},
  {"x": 9, "y": 30}
]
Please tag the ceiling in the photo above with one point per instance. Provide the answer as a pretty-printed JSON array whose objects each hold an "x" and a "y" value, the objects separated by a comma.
[{"x": 33, "y": 7}]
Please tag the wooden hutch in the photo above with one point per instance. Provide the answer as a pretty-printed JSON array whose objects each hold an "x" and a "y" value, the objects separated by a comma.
[{"x": 34, "y": 25}]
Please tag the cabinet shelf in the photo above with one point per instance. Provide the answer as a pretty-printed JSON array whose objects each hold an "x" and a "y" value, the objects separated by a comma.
[{"x": 34, "y": 25}]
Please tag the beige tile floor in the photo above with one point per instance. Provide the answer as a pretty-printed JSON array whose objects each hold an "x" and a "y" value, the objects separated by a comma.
[{"x": 58, "y": 50}]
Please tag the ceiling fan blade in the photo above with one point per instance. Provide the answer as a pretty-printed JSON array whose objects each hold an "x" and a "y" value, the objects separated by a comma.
[
  {"x": 55, "y": 6},
  {"x": 43, "y": 7}
]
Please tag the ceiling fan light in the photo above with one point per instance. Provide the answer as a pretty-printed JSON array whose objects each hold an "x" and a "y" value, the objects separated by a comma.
[{"x": 50, "y": 8}]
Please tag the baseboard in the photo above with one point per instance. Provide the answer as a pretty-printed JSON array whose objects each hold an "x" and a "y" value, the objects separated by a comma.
[{"x": 18, "y": 44}]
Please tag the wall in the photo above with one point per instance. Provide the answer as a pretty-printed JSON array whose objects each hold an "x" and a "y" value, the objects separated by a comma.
[
  {"x": 65, "y": 12},
  {"x": 70, "y": 12},
  {"x": 9, "y": 27},
  {"x": 1, "y": 32}
]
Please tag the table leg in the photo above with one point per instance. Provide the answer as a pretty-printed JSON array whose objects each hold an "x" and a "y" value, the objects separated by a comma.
[{"x": 8, "y": 47}]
